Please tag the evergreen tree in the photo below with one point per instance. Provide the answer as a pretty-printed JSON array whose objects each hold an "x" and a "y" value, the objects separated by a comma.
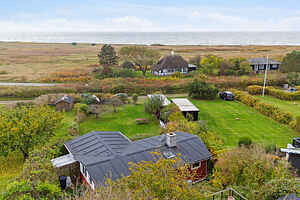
[{"x": 108, "y": 56}]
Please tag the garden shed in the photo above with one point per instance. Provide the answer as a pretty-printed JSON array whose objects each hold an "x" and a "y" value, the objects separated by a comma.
[
  {"x": 169, "y": 65},
  {"x": 64, "y": 104},
  {"x": 293, "y": 154},
  {"x": 187, "y": 108}
]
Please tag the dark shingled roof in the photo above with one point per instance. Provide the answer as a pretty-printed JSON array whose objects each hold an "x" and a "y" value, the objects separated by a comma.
[
  {"x": 67, "y": 99},
  {"x": 106, "y": 154},
  {"x": 289, "y": 197},
  {"x": 170, "y": 62},
  {"x": 260, "y": 61}
]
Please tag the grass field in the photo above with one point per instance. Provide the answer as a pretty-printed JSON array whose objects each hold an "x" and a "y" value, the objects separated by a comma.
[
  {"x": 10, "y": 167},
  {"x": 222, "y": 118},
  {"x": 123, "y": 120},
  {"x": 33, "y": 61},
  {"x": 289, "y": 106}
]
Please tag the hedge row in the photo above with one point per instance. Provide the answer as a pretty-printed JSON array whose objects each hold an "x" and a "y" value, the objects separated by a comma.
[
  {"x": 280, "y": 94},
  {"x": 266, "y": 109},
  {"x": 29, "y": 92},
  {"x": 140, "y": 86}
]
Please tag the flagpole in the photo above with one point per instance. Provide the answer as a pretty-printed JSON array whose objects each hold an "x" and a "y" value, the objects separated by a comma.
[{"x": 265, "y": 79}]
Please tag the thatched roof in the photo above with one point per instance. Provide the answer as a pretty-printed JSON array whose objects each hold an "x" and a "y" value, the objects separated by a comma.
[{"x": 170, "y": 62}]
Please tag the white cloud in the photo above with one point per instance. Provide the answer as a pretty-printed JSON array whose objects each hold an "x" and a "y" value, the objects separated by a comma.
[
  {"x": 127, "y": 23},
  {"x": 160, "y": 18}
]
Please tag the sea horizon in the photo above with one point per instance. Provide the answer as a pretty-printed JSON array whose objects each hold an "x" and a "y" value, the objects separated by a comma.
[{"x": 161, "y": 38}]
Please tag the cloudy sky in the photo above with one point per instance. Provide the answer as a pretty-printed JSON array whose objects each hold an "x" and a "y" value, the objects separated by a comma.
[{"x": 149, "y": 15}]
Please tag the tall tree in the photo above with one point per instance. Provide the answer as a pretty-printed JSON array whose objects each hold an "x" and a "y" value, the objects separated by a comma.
[
  {"x": 108, "y": 56},
  {"x": 141, "y": 57},
  {"x": 210, "y": 64},
  {"x": 25, "y": 127},
  {"x": 291, "y": 62},
  {"x": 240, "y": 66},
  {"x": 196, "y": 60}
]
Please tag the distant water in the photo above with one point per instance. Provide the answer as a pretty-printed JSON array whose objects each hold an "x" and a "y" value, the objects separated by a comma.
[{"x": 167, "y": 38}]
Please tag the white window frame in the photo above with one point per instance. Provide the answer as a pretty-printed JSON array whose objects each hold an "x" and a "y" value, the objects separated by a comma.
[{"x": 193, "y": 168}]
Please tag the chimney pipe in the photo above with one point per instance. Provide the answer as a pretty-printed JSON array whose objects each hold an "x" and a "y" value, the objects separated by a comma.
[{"x": 171, "y": 139}]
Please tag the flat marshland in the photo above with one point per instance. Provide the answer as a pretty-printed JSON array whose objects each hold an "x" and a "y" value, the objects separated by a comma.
[{"x": 25, "y": 62}]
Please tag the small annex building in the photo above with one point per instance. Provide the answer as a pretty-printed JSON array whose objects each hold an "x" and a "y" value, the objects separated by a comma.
[
  {"x": 64, "y": 104},
  {"x": 104, "y": 155},
  {"x": 260, "y": 64},
  {"x": 293, "y": 154},
  {"x": 169, "y": 65},
  {"x": 187, "y": 108}
]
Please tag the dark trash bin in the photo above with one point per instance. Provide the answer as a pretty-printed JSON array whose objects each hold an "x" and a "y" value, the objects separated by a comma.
[{"x": 63, "y": 182}]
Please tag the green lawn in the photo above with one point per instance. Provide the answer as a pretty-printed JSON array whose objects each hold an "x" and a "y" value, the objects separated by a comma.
[
  {"x": 123, "y": 120},
  {"x": 290, "y": 106},
  {"x": 222, "y": 118},
  {"x": 10, "y": 167}
]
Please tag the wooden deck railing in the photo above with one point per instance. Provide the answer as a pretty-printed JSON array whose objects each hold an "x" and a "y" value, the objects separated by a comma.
[{"x": 228, "y": 194}]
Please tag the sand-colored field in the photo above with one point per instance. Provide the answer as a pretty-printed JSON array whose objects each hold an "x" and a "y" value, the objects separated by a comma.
[{"x": 32, "y": 61}]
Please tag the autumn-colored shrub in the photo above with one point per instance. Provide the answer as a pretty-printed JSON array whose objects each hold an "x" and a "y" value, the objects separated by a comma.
[
  {"x": 297, "y": 123},
  {"x": 245, "y": 98},
  {"x": 264, "y": 108},
  {"x": 251, "y": 170},
  {"x": 284, "y": 95},
  {"x": 255, "y": 89},
  {"x": 163, "y": 179},
  {"x": 67, "y": 76},
  {"x": 280, "y": 94},
  {"x": 274, "y": 112},
  {"x": 28, "y": 92}
]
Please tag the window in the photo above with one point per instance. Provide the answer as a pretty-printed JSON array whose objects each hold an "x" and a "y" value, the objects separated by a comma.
[
  {"x": 81, "y": 168},
  {"x": 196, "y": 165},
  {"x": 168, "y": 154},
  {"x": 92, "y": 184},
  {"x": 87, "y": 177}
]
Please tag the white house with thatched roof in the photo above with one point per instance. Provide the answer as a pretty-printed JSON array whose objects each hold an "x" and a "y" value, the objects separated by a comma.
[{"x": 169, "y": 65}]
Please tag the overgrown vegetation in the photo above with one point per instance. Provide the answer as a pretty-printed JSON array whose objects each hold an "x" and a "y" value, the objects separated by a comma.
[
  {"x": 22, "y": 128},
  {"x": 291, "y": 62},
  {"x": 202, "y": 90},
  {"x": 254, "y": 173}
]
